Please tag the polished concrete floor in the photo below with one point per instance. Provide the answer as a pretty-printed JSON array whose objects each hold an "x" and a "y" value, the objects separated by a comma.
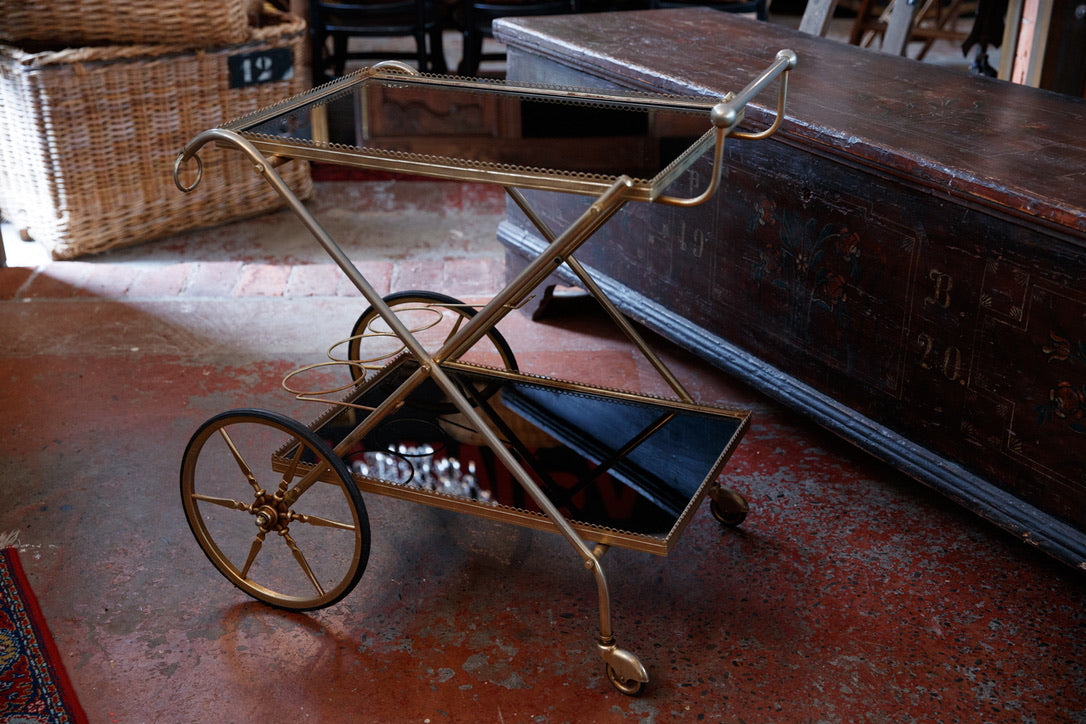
[{"x": 850, "y": 594}]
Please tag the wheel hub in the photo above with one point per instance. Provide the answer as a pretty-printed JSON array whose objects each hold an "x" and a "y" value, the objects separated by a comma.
[{"x": 266, "y": 517}]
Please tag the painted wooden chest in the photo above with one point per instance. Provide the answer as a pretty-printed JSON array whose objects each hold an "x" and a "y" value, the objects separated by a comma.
[{"x": 905, "y": 261}]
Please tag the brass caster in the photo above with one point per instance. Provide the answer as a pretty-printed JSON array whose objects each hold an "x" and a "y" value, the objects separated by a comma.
[
  {"x": 727, "y": 506},
  {"x": 629, "y": 687},
  {"x": 624, "y": 670}
]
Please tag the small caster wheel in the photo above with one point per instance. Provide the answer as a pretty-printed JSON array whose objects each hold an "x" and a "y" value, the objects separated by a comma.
[
  {"x": 629, "y": 687},
  {"x": 728, "y": 507}
]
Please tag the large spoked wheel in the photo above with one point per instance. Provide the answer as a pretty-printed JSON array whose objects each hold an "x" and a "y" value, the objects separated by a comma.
[
  {"x": 241, "y": 487},
  {"x": 432, "y": 318}
]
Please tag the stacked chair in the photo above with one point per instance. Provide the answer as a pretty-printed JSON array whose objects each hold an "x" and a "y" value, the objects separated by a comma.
[{"x": 334, "y": 24}]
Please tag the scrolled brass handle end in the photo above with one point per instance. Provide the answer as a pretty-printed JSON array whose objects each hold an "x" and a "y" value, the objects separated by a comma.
[{"x": 177, "y": 172}]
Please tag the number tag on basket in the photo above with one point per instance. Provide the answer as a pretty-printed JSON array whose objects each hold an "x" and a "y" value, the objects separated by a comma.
[{"x": 262, "y": 66}]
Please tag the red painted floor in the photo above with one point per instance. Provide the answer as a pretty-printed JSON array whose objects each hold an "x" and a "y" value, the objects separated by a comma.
[{"x": 850, "y": 593}]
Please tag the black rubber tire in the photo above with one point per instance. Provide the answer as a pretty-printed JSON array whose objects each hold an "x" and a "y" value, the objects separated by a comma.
[{"x": 216, "y": 507}]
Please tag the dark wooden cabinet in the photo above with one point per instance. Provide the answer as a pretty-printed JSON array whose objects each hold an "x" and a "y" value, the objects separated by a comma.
[{"x": 905, "y": 261}]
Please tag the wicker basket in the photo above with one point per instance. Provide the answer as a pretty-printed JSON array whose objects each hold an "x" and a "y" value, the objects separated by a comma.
[
  {"x": 205, "y": 23},
  {"x": 88, "y": 138}
]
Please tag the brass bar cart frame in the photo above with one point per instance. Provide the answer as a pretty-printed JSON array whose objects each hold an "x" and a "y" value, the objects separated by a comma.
[{"x": 276, "y": 135}]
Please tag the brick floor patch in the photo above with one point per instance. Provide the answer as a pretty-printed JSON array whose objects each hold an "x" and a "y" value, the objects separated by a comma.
[
  {"x": 475, "y": 198},
  {"x": 313, "y": 280},
  {"x": 262, "y": 280},
  {"x": 212, "y": 279},
  {"x": 377, "y": 273},
  {"x": 60, "y": 280},
  {"x": 472, "y": 277},
  {"x": 420, "y": 274},
  {"x": 12, "y": 280},
  {"x": 110, "y": 280},
  {"x": 161, "y": 280}
]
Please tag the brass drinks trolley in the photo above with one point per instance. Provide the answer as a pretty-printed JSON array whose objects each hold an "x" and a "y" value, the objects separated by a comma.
[{"x": 421, "y": 417}]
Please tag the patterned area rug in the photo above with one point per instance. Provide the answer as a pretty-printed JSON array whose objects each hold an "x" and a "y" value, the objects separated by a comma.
[{"x": 33, "y": 684}]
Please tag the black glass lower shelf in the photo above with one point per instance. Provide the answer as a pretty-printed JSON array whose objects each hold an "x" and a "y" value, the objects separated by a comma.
[{"x": 624, "y": 469}]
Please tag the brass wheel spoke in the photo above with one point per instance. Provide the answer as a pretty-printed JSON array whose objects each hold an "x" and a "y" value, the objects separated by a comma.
[
  {"x": 317, "y": 520},
  {"x": 224, "y": 502},
  {"x": 300, "y": 557},
  {"x": 245, "y": 469},
  {"x": 293, "y": 469},
  {"x": 291, "y": 495},
  {"x": 253, "y": 550}
]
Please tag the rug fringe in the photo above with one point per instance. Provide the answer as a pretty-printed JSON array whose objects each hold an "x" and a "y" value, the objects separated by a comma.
[{"x": 9, "y": 539}]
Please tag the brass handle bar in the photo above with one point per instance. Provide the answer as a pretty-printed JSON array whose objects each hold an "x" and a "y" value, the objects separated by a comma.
[{"x": 729, "y": 112}]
